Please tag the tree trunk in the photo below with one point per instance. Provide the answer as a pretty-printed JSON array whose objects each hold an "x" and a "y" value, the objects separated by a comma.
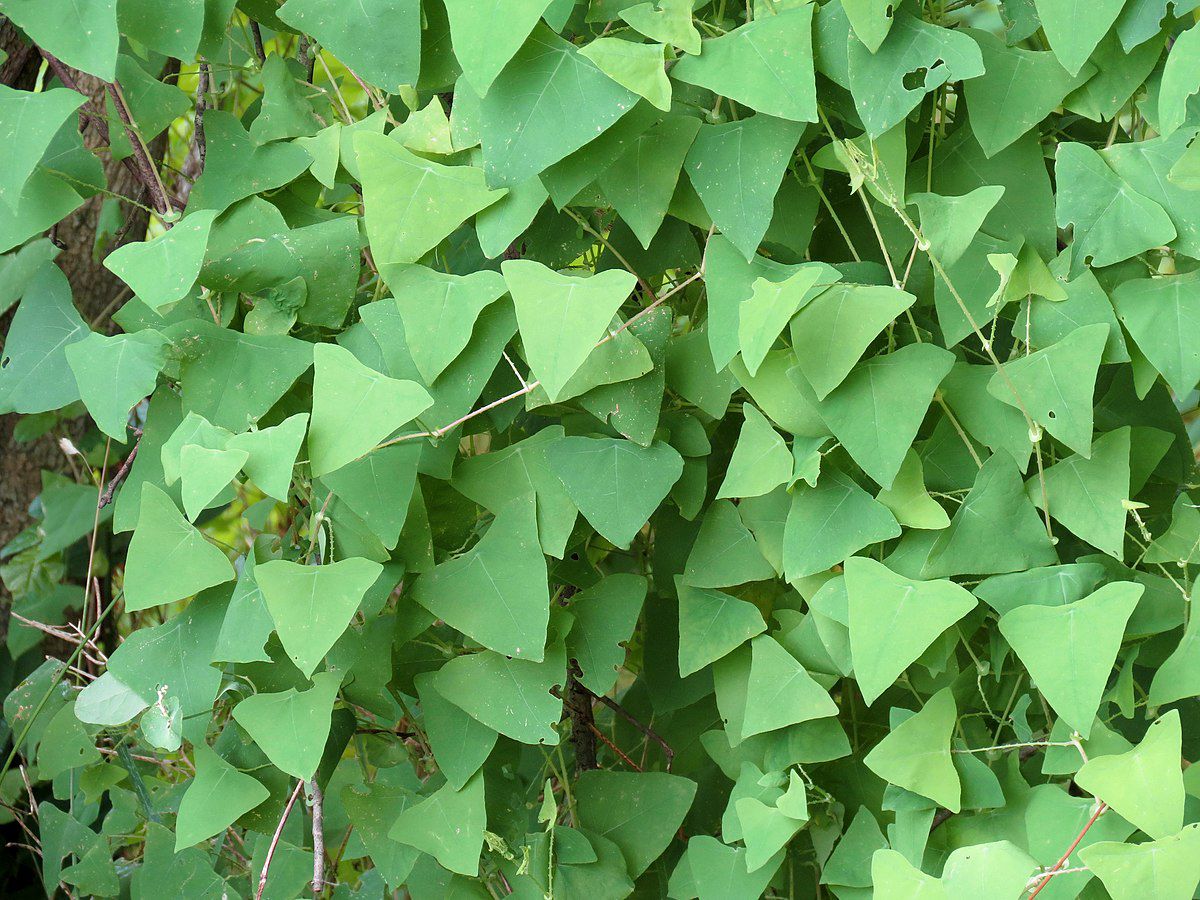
[{"x": 97, "y": 291}]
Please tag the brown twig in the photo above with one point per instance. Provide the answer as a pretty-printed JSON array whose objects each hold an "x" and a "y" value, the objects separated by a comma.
[
  {"x": 147, "y": 170},
  {"x": 629, "y": 717},
  {"x": 615, "y": 749},
  {"x": 107, "y": 497},
  {"x": 578, "y": 701},
  {"x": 287, "y": 811},
  {"x": 1062, "y": 860},
  {"x": 318, "y": 834},
  {"x": 256, "y": 36},
  {"x": 203, "y": 78}
]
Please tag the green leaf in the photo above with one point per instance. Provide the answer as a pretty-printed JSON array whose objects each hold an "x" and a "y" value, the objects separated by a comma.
[
  {"x": 1018, "y": 90},
  {"x": 411, "y": 203},
  {"x": 640, "y": 812},
  {"x": 546, "y": 103},
  {"x": 82, "y": 33},
  {"x": 379, "y": 39},
  {"x": 168, "y": 558},
  {"x": 28, "y": 122},
  {"x": 723, "y": 871},
  {"x": 1112, "y": 222},
  {"x": 725, "y": 553},
  {"x": 461, "y": 744},
  {"x": 669, "y": 21},
  {"x": 951, "y": 223},
  {"x": 831, "y": 522},
  {"x": 915, "y": 755},
  {"x": 752, "y": 153},
  {"x": 638, "y": 67},
  {"x": 372, "y": 808},
  {"x": 1069, "y": 650},
  {"x": 162, "y": 271},
  {"x": 1055, "y": 385},
  {"x": 511, "y": 696},
  {"x": 895, "y": 877},
  {"x": 712, "y": 624},
  {"x": 291, "y": 727},
  {"x": 780, "y": 691},
  {"x": 116, "y": 373},
  {"x": 616, "y": 484},
  {"x": 765, "y": 830},
  {"x": 206, "y": 473},
  {"x": 893, "y": 620},
  {"x": 497, "y": 591},
  {"x": 35, "y": 375},
  {"x": 1145, "y": 784},
  {"x": 1168, "y": 869},
  {"x": 870, "y": 19},
  {"x": 561, "y": 317},
  {"x": 998, "y": 870},
  {"x": 217, "y": 796},
  {"x": 969, "y": 545},
  {"x": 236, "y": 167},
  {"x": 312, "y": 605},
  {"x": 766, "y": 64},
  {"x": 908, "y": 499},
  {"x": 1088, "y": 496},
  {"x": 1178, "y": 677},
  {"x": 606, "y": 615},
  {"x": 882, "y": 97},
  {"x": 448, "y": 825},
  {"x": 878, "y": 409},
  {"x": 1159, "y": 316},
  {"x": 341, "y": 431},
  {"x": 1179, "y": 81},
  {"x": 832, "y": 332},
  {"x": 761, "y": 460},
  {"x": 1074, "y": 30},
  {"x": 378, "y": 488},
  {"x": 486, "y": 37},
  {"x": 285, "y": 112}
]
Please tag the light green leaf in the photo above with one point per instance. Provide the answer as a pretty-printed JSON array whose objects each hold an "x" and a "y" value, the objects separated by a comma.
[
  {"x": 725, "y": 553},
  {"x": 915, "y": 755},
  {"x": 236, "y": 167},
  {"x": 28, "y": 122},
  {"x": 1160, "y": 315},
  {"x": 753, "y": 154},
  {"x": 1074, "y": 29},
  {"x": 1112, "y": 222},
  {"x": 35, "y": 375},
  {"x": 1178, "y": 677},
  {"x": 216, "y": 797},
  {"x": 114, "y": 374},
  {"x": 291, "y": 727},
  {"x": 355, "y": 407},
  {"x": 1055, "y": 385},
  {"x": 638, "y": 67},
  {"x": 712, "y": 624},
  {"x": 82, "y": 33},
  {"x": 761, "y": 460},
  {"x": 487, "y": 35},
  {"x": 765, "y": 830},
  {"x": 766, "y": 64},
  {"x": 1144, "y": 785},
  {"x": 893, "y": 620},
  {"x": 1088, "y": 496},
  {"x": 870, "y": 19},
  {"x": 895, "y": 878},
  {"x": 460, "y": 744},
  {"x": 831, "y": 522},
  {"x": 205, "y": 473},
  {"x": 616, "y": 484},
  {"x": 271, "y": 454},
  {"x": 780, "y": 691},
  {"x": 561, "y": 317},
  {"x": 312, "y": 605},
  {"x": 378, "y": 488},
  {"x": 511, "y": 696},
  {"x": 995, "y": 871},
  {"x": 669, "y": 21},
  {"x": 1179, "y": 80},
  {"x": 285, "y": 113},
  {"x": 951, "y": 223},
  {"x": 908, "y": 499},
  {"x": 168, "y": 558},
  {"x": 605, "y": 617},
  {"x": 1069, "y": 650},
  {"x": 1168, "y": 869},
  {"x": 163, "y": 270},
  {"x": 411, "y": 203},
  {"x": 449, "y": 825},
  {"x": 771, "y": 305}
]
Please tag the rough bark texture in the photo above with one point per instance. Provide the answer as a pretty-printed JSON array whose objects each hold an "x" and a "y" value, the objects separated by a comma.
[{"x": 96, "y": 290}]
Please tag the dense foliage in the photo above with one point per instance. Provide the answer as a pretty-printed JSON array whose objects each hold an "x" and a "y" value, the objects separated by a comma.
[{"x": 591, "y": 449}]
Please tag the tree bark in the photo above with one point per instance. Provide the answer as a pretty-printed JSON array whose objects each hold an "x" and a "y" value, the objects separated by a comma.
[{"x": 97, "y": 291}]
